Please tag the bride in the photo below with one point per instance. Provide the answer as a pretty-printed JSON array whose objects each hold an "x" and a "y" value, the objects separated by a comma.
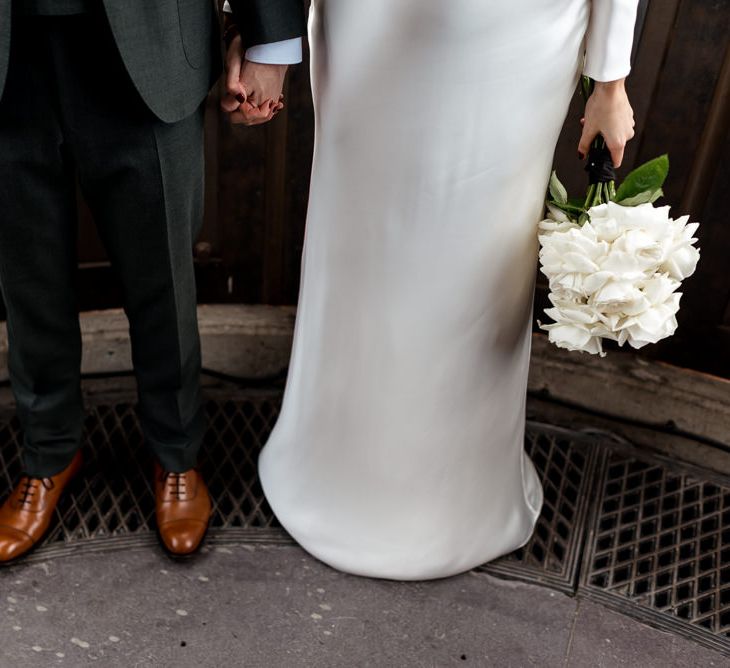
[{"x": 399, "y": 450}]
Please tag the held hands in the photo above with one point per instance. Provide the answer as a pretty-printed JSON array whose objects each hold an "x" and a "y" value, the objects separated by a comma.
[
  {"x": 608, "y": 113},
  {"x": 253, "y": 90}
]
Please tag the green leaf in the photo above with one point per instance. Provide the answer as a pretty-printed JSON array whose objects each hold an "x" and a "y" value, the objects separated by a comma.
[
  {"x": 576, "y": 202},
  {"x": 573, "y": 212},
  {"x": 566, "y": 207},
  {"x": 557, "y": 189},
  {"x": 586, "y": 87},
  {"x": 648, "y": 177},
  {"x": 647, "y": 197}
]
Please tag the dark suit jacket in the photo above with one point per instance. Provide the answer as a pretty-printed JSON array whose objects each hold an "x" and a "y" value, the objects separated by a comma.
[
  {"x": 266, "y": 21},
  {"x": 171, "y": 48}
]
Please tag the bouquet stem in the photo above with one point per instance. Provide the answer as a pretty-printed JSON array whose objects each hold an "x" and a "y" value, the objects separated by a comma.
[{"x": 641, "y": 186}]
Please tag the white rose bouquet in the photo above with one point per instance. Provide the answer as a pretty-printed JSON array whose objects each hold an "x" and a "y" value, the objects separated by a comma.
[{"x": 614, "y": 261}]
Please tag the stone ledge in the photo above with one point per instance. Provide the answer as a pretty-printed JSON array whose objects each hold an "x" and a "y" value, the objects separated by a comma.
[
  {"x": 626, "y": 386},
  {"x": 254, "y": 342},
  {"x": 246, "y": 341}
]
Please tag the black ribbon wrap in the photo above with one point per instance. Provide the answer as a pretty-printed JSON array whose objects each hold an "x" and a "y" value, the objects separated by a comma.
[{"x": 600, "y": 166}]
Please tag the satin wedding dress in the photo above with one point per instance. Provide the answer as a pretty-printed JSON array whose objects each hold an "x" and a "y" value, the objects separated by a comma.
[{"x": 399, "y": 450}]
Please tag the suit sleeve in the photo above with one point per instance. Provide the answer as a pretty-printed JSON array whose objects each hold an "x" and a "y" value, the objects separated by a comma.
[
  {"x": 267, "y": 21},
  {"x": 610, "y": 38}
]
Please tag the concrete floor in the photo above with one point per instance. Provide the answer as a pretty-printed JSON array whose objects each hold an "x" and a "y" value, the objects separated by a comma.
[{"x": 273, "y": 606}]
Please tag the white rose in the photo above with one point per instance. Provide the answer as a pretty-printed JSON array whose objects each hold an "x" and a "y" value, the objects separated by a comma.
[
  {"x": 641, "y": 245},
  {"x": 620, "y": 297},
  {"x": 656, "y": 323},
  {"x": 659, "y": 288},
  {"x": 572, "y": 311},
  {"x": 616, "y": 277},
  {"x": 682, "y": 262},
  {"x": 611, "y": 220},
  {"x": 625, "y": 266},
  {"x": 574, "y": 338},
  {"x": 681, "y": 257}
]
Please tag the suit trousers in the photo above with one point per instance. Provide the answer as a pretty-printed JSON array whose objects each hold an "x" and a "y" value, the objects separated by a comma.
[{"x": 70, "y": 114}]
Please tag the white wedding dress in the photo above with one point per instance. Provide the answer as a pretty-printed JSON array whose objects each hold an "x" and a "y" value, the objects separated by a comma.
[{"x": 399, "y": 450}]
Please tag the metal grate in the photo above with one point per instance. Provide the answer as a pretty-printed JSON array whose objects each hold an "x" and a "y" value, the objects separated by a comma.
[
  {"x": 10, "y": 440},
  {"x": 114, "y": 496},
  {"x": 237, "y": 431},
  {"x": 660, "y": 543},
  {"x": 565, "y": 462},
  {"x": 638, "y": 533}
]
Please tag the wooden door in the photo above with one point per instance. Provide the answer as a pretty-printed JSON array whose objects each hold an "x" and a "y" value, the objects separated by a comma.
[
  {"x": 258, "y": 180},
  {"x": 680, "y": 90}
]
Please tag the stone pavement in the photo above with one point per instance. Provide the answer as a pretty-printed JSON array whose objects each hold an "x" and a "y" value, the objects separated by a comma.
[{"x": 273, "y": 606}]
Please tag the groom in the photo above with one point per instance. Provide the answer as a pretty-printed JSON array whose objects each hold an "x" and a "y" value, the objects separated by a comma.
[{"x": 110, "y": 93}]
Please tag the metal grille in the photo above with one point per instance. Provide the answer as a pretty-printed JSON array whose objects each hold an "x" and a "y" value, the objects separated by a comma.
[
  {"x": 660, "y": 541},
  {"x": 10, "y": 440},
  {"x": 114, "y": 496},
  {"x": 656, "y": 544},
  {"x": 565, "y": 462},
  {"x": 237, "y": 431}
]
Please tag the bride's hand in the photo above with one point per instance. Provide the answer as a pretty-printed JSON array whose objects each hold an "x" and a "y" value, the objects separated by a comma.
[
  {"x": 608, "y": 113},
  {"x": 253, "y": 90}
]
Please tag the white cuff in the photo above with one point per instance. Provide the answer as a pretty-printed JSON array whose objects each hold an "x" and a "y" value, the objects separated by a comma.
[{"x": 286, "y": 52}]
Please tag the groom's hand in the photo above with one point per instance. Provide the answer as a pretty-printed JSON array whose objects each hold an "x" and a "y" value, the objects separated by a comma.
[
  {"x": 253, "y": 90},
  {"x": 262, "y": 82}
]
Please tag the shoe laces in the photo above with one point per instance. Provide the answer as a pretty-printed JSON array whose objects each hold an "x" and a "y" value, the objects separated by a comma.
[
  {"x": 176, "y": 482},
  {"x": 29, "y": 486}
]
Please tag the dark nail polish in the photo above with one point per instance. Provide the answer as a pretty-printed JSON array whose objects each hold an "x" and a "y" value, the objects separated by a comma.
[
  {"x": 581, "y": 155},
  {"x": 240, "y": 98}
]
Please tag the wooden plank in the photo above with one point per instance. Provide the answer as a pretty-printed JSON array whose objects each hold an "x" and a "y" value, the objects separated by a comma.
[
  {"x": 685, "y": 86},
  {"x": 241, "y": 186},
  {"x": 708, "y": 153},
  {"x": 275, "y": 199},
  {"x": 300, "y": 145},
  {"x": 655, "y": 37}
]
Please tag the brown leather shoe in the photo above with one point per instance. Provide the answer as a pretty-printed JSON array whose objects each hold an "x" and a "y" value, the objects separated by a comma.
[
  {"x": 182, "y": 508},
  {"x": 27, "y": 513}
]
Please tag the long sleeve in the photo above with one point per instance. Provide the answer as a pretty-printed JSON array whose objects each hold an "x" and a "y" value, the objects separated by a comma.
[
  {"x": 267, "y": 21},
  {"x": 284, "y": 52},
  {"x": 610, "y": 38}
]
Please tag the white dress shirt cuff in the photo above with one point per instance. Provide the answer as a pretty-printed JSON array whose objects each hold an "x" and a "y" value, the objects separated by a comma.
[{"x": 286, "y": 52}]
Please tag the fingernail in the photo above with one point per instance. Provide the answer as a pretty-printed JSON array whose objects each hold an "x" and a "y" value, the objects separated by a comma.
[
  {"x": 581, "y": 155},
  {"x": 240, "y": 98}
]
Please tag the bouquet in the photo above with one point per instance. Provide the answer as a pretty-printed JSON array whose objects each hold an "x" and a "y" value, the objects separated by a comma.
[{"x": 614, "y": 260}]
